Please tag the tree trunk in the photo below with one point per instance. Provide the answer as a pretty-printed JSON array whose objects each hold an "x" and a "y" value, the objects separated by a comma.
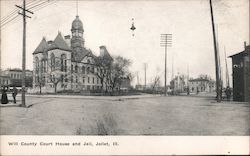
[
  {"x": 55, "y": 87},
  {"x": 40, "y": 87}
]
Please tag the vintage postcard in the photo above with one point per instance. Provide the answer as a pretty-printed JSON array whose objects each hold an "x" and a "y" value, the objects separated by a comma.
[{"x": 121, "y": 77}]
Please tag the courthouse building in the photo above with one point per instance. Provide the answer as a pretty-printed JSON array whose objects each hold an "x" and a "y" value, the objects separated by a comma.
[{"x": 65, "y": 63}]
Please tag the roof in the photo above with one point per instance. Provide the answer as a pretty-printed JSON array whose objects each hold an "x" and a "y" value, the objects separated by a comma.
[
  {"x": 18, "y": 70},
  {"x": 77, "y": 24},
  {"x": 42, "y": 47},
  {"x": 243, "y": 53},
  {"x": 59, "y": 43},
  {"x": 79, "y": 54},
  {"x": 199, "y": 79}
]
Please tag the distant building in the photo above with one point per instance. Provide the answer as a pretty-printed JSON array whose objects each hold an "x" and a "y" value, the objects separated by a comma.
[
  {"x": 178, "y": 84},
  {"x": 241, "y": 75},
  {"x": 125, "y": 84},
  {"x": 201, "y": 85},
  {"x": 14, "y": 77},
  {"x": 4, "y": 81}
]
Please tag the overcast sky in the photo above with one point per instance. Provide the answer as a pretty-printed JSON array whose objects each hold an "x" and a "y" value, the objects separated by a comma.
[{"x": 108, "y": 23}]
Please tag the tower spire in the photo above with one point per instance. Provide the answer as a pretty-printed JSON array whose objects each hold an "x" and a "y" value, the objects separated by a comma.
[{"x": 76, "y": 7}]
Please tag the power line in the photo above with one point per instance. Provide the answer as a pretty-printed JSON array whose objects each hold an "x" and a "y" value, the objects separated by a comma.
[
  {"x": 32, "y": 3},
  {"x": 11, "y": 19},
  {"x": 41, "y": 7},
  {"x": 13, "y": 12},
  {"x": 38, "y": 4},
  {"x": 9, "y": 15}
]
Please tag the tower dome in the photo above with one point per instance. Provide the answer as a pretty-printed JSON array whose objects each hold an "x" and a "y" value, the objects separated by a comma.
[{"x": 77, "y": 24}]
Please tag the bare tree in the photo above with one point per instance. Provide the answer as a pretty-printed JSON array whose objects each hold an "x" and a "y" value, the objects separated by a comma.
[
  {"x": 58, "y": 72},
  {"x": 103, "y": 65},
  {"x": 119, "y": 70},
  {"x": 156, "y": 82}
]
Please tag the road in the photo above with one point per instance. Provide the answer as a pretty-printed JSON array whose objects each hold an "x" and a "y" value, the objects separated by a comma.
[{"x": 128, "y": 115}]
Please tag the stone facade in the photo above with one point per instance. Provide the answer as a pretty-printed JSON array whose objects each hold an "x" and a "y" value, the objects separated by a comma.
[{"x": 65, "y": 63}]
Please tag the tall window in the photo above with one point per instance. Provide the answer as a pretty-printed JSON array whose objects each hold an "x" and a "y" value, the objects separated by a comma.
[
  {"x": 87, "y": 70},
  {"x": 63, "y": 62},
  {"x": 76, "y": 69},
  {"x": 83, "y": 69},
  {"x": 53, "y": 61},
  {"x": 36, "y": 69},
  {"x": 37, "y": 65},
  {"x": 83, "y": 80}
]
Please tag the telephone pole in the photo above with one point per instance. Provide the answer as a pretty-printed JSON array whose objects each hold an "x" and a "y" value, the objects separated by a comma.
[
  {"x": 145, "y": 70},
  {"x": 23, "y": 13},
  {"x": 166, "y": 41},
  {"x": 227, "y": 75},
  {"x": 218, "y": 96}
]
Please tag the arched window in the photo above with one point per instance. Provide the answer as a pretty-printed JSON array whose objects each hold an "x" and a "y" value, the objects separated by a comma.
[
  {"x": 63, "y": 62},
  {"x": 88, "y": 70},
  {"x": 36, "y": 65},
  {"x": 76, "y": 69},
  {"x": 53, "y": 61},
  {"x": 83, "y": 69}
]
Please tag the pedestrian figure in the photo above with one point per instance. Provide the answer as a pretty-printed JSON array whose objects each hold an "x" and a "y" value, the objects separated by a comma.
[
  {"x": 188, "y": 91},
  {"x": 14, "y": 93},
  {"x": 197, "y": 91},
  {"x": 228, "y": 93},
  {"x": 4, "y": 99}
]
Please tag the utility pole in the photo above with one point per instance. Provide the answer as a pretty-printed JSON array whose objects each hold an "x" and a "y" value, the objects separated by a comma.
[
  {"x": 227, "y": 74},
  {"x": 172, "y": 67},
  {"x": 166, "y": 41},
  {"x": 145, "y": 69},
  {"x": 23, "y": 13},
  {"x": 219, "y": 61},
  {"x": 218, "y": 97}
]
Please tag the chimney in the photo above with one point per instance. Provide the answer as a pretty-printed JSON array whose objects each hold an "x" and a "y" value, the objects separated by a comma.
[
  {"x": 67, "y": 37},
  {"x": 50, "y": 42},
  {"x": 245, "y": 45},
  {"x": 102, "y": 50}
]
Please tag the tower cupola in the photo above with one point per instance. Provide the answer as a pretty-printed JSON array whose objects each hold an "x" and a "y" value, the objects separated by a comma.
[{"x": 77, "y": 39}]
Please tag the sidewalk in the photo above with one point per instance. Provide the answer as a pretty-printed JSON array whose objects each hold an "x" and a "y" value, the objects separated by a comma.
[{"x": 93, "y": 97}]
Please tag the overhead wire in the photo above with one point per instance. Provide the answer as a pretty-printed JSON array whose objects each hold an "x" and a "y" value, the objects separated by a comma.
[
  {"x": 34, "y": 5},
  {"x": 43, "y": 6},
  {"x": 38, "y": 4},
  {"x": 15, "y": 11},
  {"x": 11, "y": 19}
]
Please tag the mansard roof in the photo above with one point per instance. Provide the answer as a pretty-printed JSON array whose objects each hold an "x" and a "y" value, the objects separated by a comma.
[
  {"x": 59, "y": 43},
  {"x": 42, "y": 47}
]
